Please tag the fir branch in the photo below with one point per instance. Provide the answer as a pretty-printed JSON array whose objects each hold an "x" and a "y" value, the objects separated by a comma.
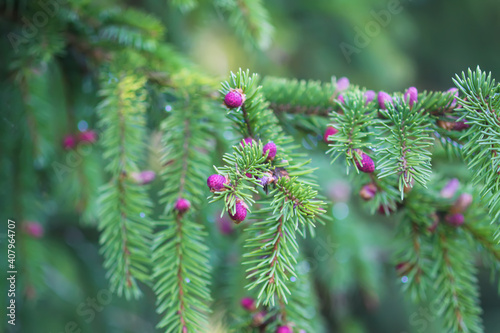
[
  {"x": 456, "y": 285},
  {"x": 274, "y": 239},
  {"x": 353, "y": 128},
  {"x": 182, "y": 270},
  {"x": 405, "y": 143},
  {"x": 124, "y": 205},
  {"x": 302, "y": 311},
  {"x": 481, "y": 235},
  {"x": 304, "y": 97},
  {"x": 291, "y": 203},
  {"x": 479, "y": 107},
  {"x": 415, "y": 263},
  {"x": 293, "y": 206},
  {"x": 250, "y": 20}
]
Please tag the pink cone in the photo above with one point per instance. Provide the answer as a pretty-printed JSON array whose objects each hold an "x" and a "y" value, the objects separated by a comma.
[
  {"x": 69, "y": 142},
  {"x": 248, "y": 303},
  {"x": 271, "y": 148},
  {"x": 384, "y": 99},
  {"x": 88, "y": 136},
  {"x": 411, "y": 96},
  {"x": 216, "y": 182},
  {"x": 240, "y": 212},
  {"x": 367, "y": 165},
  {"x": 234, "y": 98},
  {"x": 34, "y": 229},
  {"x": 182, "y": 205},
  {"x": 342, "y": 83},
  {"x": 369, "y": 96},
  {"x": 330, "y": 130}
]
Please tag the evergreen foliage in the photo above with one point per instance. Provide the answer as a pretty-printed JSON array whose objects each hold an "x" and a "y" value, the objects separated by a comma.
[{"x": 112, "y": 67}]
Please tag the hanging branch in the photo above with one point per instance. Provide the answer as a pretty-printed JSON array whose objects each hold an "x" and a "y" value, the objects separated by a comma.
[
  {"x": 456, "y": 285},
  {"x": 124, "y": 205},
  {"x": 180, "y": 254},
  {"x": 415, "y": 242}
]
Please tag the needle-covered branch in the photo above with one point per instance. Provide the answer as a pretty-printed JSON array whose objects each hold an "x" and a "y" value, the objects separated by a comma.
[
  {"x": 181, "y": 265},
  {"x": 126, "y": 228}
]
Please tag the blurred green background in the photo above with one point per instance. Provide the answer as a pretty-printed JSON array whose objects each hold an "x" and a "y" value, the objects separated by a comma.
[{"x": 423, "y": 45}]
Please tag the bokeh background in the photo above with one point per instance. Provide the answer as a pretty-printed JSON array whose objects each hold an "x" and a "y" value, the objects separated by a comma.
[{"x": 423, "y": 45}]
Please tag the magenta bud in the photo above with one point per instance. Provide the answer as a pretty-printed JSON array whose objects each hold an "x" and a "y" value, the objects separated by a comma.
[
  {"x": 87, "y": 136},
  {"x": 340, "y": 99},
  {"x": 411, "y": 96},
  {"x": 369, "y": 96},
  {"x": 284, "y": 329},
  {"x": 384, "y": 99},
  {"x": 182, "y": 205},
  {"x": 240, "y": 212},
  {"x": 463, "y": 202},
  {"x": 330, "y": 130},
  {"x": 368, "y": 192},
  {"x": 248, "y": 303},
  {"x": 143, "y": 177},
  {"x": 34, "y": 229},
  {"x": 455, "y": 220},
  {"x": 247, "y": 141},
  {"x": 216, "y": 182},
  {"x": 271, "y": 148},
  {"x": 69, "y": 142},
  {"x": 367, "y": 165},
  {"x": 454, "y": 92},
  {"x": 342, "y": 83},
  {"x": 448, "y": 191},
  {"x": 148, "y": 176},
  {"x": 234, "y": 98}
]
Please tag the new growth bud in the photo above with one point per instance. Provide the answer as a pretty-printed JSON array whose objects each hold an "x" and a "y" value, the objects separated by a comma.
[
  {"x": 411, "y": 96},
  {"x": 384, "y": 99},
  {"x": 271, "y": 148},
  {"x": 240, "y": 212},
  {"x": 248, "y": 304},
  {"x": 216, "y": 183},
  {"x": 234, "y": 98},
  {"x": 369, "y": 96},
  {"x": 367, "y": 165},
  {"x": 368, "y": 191},
  {"x": 329, "y": 131},
  {"x": 182, "y": 205},
  {"x": 342, "y": 83}
]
